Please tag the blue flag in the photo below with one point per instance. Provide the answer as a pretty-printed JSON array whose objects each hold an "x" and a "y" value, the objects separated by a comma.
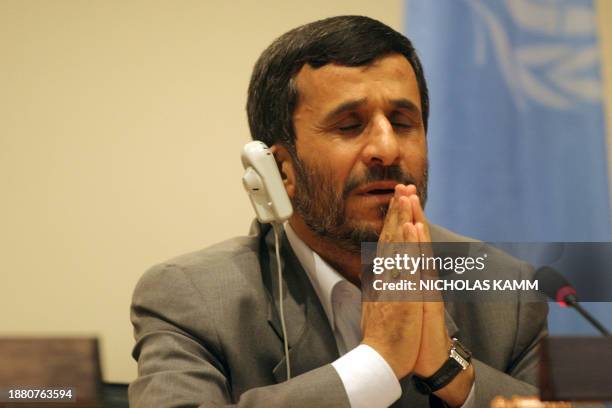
[{"x": 517, "y": 137}]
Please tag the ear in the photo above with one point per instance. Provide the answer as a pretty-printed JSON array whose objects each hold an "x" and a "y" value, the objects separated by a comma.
[{"x": 286, "y": 168}]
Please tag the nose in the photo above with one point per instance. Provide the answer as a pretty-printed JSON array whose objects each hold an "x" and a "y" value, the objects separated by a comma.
[{"x": 382, "y": 144}]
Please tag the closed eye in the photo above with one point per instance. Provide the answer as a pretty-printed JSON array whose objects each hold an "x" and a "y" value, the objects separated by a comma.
[
  {"x": 349, "y": 128},
  {"x": 403, "y": 121}
]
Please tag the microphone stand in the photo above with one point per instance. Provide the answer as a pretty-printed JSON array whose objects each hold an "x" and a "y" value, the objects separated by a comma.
[{"x": 571, "y": 301}]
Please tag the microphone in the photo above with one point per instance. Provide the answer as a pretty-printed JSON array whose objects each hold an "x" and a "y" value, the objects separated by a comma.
[{"x": 556, "y": 287}]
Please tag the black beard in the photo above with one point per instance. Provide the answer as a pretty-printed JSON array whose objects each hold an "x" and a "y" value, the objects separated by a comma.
[{"x": 322, "y": 207}]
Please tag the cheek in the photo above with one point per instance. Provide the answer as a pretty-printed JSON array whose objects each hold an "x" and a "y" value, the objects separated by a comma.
[
  {"x": 415, "y": 156},
  {"x": 332, "y": 159}
]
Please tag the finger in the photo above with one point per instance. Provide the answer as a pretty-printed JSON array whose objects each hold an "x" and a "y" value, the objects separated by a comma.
[
  {"x": 404, "y": 215},
  {"x": 400, "y": 190},
  {"x": 387, "y": 232},
  {"x": 433, "y": 306},
  {"x": 434, "y": 302},
  {"x": 404, "y": 212},
  {"x": 423, "y": 230},
  {"x": 417, "y": 209},
  {"x": 411, "y": 239},
  {"x": 405, "y": 190},
  {"x": 391, "y": 229},
  {"x": 423, "y": 237},
  {"x": 411, "y": 248},
  {"x": 410, "y": 232},
  {"x": 425, "y": 244},
  {"x": 410, "y": 189}
]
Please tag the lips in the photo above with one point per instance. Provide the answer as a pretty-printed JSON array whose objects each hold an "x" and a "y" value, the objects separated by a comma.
[
  {"x": 380, "y": 191},
  {"x": 381, "y": 188}
]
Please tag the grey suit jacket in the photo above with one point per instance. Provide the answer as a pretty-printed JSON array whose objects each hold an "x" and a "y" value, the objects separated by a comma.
[{"x": 208, "y": 333}]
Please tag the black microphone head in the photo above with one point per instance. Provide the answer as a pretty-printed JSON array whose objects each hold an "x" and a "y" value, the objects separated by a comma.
[
  {"x": 558, "y": 288},
  {"x": 554, "y": 285}
]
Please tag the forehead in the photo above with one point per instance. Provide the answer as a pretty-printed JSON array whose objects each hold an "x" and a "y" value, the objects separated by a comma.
[{"x": 386, "y": 78}]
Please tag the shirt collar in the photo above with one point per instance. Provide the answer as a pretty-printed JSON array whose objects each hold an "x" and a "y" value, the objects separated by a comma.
[{"x": 322, "y": 276}]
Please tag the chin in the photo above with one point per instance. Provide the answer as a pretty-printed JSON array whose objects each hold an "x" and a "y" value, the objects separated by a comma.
[
  {"x": 372, "y": 218},
  {"x": 368, "y": 228}
]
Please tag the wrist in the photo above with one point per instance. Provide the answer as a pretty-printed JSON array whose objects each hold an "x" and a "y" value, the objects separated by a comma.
[
  {"x": 452, "y": 379},
  {"x": 456, "y": 392},
  {"x": 428, "y": 365}
]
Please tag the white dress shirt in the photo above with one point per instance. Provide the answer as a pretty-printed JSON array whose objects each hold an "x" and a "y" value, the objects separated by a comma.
[{"x": 368, "y": 379}]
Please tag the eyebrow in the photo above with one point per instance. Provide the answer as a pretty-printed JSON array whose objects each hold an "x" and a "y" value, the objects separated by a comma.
[
  {"x": 406, "y": 104},
  {"x": 402, "y": 103}
]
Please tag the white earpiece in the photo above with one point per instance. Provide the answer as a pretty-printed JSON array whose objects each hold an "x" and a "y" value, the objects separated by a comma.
[{"x": 264, "y": 185}]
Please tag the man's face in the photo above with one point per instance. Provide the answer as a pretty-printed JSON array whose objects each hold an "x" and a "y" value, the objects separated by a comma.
[{"x": 359, "y": 131}]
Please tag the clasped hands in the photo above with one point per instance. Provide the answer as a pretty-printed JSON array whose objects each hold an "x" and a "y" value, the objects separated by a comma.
[{"x": 411, "y": 336}]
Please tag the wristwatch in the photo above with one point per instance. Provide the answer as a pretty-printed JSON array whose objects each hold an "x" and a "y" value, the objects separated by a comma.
[{"x": 459, "y": 359}]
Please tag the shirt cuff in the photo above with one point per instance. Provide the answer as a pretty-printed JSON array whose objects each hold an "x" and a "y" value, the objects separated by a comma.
[
  {"x": 368, "y": 379},
  {"x": 469, "y": 401}
]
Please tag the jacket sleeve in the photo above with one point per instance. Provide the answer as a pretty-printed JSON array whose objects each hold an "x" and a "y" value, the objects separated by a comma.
[
  {"x": 520, "y": 376},
  {"x": 182, "y": 367}
]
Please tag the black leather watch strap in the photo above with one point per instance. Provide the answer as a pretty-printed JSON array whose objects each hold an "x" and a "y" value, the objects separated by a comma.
[
  {"x": 439, "y": 379},
  {"x": 447, "y": 372}
]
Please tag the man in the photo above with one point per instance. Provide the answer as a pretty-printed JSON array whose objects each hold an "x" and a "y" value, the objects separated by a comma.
[{"x": 343, "y": 103}]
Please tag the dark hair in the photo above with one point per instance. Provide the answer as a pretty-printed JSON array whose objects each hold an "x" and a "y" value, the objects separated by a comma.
[{"x": 344, "y": 40}]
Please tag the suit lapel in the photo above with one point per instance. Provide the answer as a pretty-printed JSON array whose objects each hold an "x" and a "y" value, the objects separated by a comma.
[{"x": 311, "y": 341}]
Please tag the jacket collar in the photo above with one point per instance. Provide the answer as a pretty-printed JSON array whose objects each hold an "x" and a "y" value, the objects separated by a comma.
[{"x": 311, "y": 340}]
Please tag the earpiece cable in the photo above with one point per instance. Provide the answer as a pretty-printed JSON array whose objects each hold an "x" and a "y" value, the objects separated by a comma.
[{"x": 276, "y": 227}]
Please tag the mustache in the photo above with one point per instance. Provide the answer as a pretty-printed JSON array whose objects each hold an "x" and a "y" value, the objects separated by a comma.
[{"x": 378, "y": 173}]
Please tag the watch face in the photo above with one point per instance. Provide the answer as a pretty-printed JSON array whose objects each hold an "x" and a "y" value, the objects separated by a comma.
[
  {"x": 460, "y": 354},
  {"x": 461, "y": 349},
  {"x": 459, "y": 359}
]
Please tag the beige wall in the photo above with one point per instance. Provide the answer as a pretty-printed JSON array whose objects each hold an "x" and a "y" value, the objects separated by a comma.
[
  {"x": 604, "y": 24},
  {"x": 121, "y": 124}
]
